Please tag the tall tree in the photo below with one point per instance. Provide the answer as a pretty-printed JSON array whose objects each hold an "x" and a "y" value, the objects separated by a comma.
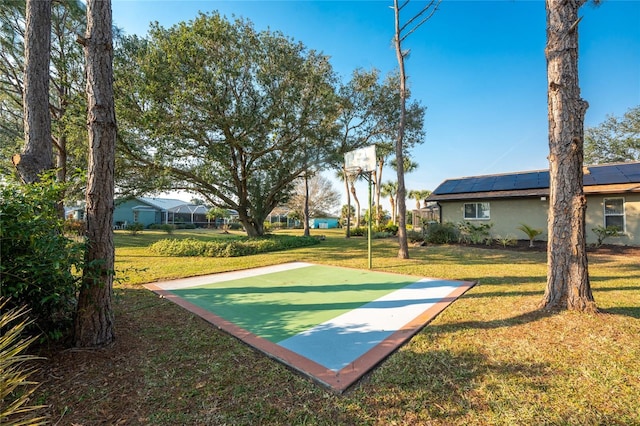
[
  {"x": 216, "y": 108},
  {"x": 419, "y": 195},
  {"x": 615, "y": 140},
  {"x": 67, "y": 101},
  {"x": 94, "y": 325},
  {"x": 568, "y": 284},
  {"x": 36, "y": 156},
  {"x": 402, "y": 31}
]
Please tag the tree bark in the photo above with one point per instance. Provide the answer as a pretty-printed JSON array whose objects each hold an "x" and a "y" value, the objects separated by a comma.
[
  {"x": 355, "y": 199},
  {"x": 306, "y": 205},
  {"x": 346, "y": 186},
  {"x": 568, "y": 284},
  {"x": 94, "y": 325},
  {"x": 403, "y": 249},
  {"x": 37, "y": 155}
]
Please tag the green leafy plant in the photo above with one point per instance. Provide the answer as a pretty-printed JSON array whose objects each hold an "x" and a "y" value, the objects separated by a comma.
[
  {"x": 532, "y": 233},
  {"x": 440, "y": 233},
  {"x": 40, "y": 266},
  {"x": 134, "y": 228},
  {"x": 231, "y": 247},
  {"x": 507, "y": 241},
  {"x": 15, "y": 387},
  {"x": 470, "y": 233},
  {"x": 603, "y": 233}
]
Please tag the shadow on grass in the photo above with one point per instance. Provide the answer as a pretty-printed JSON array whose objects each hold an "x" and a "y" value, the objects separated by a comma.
[
  {"x": 629, "y": 311},
  {"x": 444, "y": 380},
  {"x": 525, "y": 318}
]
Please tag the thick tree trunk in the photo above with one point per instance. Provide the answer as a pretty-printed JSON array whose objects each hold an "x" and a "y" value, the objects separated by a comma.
[
  {"x": 94, "y": 326},
  {"x": 37, "y": 155},
  {"x": 567, "y": 269}
]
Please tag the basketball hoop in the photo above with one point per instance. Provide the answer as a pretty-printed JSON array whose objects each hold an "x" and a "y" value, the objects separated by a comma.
[{"x": 352, "y": 174}]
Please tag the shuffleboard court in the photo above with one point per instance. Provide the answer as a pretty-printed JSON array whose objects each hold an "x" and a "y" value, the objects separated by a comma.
[{"x": 330, "y": 323}]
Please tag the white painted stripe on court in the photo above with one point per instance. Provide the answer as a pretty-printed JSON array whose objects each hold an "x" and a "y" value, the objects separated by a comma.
[
  {"x": 338, "y": 342},
  {"x": 228, "y": 276}
]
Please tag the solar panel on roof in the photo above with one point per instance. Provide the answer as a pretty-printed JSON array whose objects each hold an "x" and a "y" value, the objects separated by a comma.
[
  {"x": 504, "y": 183},
  {"x": 446, "y": 187},
  {"x": 484, "y": 184},
  {"x": 465, "y": 185}
]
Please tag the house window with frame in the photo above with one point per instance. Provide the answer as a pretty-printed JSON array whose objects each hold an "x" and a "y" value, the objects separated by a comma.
[
  {"x": 614, "y": 213},
  {"x": 477, "y": 211}
]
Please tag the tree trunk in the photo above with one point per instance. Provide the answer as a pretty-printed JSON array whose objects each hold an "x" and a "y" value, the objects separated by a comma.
[
  {"x": 403, "y": 250},
  {"x": 392, "y": 201},
  {"x": 355, "y": 199},
  {"x": 94, "y": 325},
  {"x": 567, "y": 269},
  {"x": 346, "y": 186},
  {"x": 37, "y": 155},
  {"x": 306, "y": 205},
  {"x": 378, "y": 189}
]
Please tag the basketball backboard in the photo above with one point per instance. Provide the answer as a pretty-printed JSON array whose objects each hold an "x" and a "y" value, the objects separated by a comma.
[{"x": 363, "y": 159}]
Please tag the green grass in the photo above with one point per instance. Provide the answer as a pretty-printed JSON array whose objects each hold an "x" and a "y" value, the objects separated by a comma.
[{"x": 489, "y": 358}]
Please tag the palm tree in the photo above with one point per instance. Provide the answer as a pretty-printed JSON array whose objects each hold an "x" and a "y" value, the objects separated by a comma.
[
  {"x": 531, "y": 232},
  {"x": 419, "y": 195},
  {"x": 390, "y": 189}
]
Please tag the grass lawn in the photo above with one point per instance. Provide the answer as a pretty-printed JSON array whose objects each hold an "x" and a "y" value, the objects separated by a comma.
[{"x": 490, "y": 358}]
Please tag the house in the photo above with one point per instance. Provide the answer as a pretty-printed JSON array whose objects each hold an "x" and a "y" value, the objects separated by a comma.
[
  {"x": 323, "y": 222},
  {"x": 508, "y": 200},
  {"x": 149, "y": 211}
]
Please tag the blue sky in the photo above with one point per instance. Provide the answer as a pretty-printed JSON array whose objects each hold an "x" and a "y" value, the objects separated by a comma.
[{"x": 478, "y": 67}]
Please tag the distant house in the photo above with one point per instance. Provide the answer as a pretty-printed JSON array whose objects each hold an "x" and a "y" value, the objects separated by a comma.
[
  {"x": 508, "y": 200},
  {"x": 323, "y": 222},
  {"x": 149, "y": 211}
]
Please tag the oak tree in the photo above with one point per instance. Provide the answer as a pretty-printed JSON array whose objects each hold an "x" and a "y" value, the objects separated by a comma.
[{"x": 217, "y": 108}]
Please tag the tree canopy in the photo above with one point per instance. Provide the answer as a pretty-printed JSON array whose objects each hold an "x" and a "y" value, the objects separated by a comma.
[
  {"x": 614, "y": 140},
  {"x": 216, "y": 108}
]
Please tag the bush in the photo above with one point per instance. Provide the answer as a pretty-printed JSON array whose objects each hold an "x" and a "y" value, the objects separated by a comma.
[
  {"x": 166, "y": 227},
  {"x": 475, "y": 234},
  {"x": 229, "y": 248},
  {"x": 358, "y": 231},
  {"x": 38, "y": 261},
  {"x": 603, "y": 233},
  {"x": 415, "y": 236},
  {"x": 391, "y": 228},
  {"x": 441, "y": 233},
  {"x": 235, "y": 226},
  {"x": 74, "y": 227},
  {"x": 134, "y": 228}
]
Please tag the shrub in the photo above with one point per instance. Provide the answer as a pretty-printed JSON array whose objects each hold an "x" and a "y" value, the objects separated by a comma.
[
  {"x": 415, "y": 236},
  {"x": 470, "y": 233},
  {"x": 229, "y": 248},
  {"x": 166, "y": 227},
  {"x": 391, "y": 228},
  {"x": 15, "y": 387},
  {"x": 235, "y": 226},
  {"x": 440, "y": 233},
  {"x": 38, "y": 261},
  {"x": 603, "y": 233},
  {"x": 358, "y": 231},
  {"x": 134, "y": 228},
  {"x": 74, "y": 227},
  {"x": 507, "y": 241}
]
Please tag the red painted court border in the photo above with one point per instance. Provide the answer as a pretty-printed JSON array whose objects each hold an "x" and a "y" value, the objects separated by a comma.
[{"x": 337, "y": 381}]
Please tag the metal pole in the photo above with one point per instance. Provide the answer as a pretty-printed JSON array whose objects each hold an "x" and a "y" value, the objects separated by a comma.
[{"x": 370, "y": 221}]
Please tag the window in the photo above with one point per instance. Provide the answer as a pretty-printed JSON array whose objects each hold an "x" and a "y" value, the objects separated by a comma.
[
  {"x": 476, "y": 210},
  {"x": 614, "y": 213}
]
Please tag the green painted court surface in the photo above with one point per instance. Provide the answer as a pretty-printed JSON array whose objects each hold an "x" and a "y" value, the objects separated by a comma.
[{"x": 279, "y": 305}]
